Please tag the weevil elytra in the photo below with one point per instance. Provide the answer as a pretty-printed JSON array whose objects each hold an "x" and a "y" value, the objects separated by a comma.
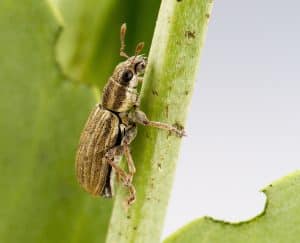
[{"x": 111, "y": 127}]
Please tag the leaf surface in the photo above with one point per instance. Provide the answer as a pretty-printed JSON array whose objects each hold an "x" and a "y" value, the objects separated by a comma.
[
  {"x": 88, "y": 50},
  {"x": 41, "y": 119},
  {"x": 279, "y": 223}
]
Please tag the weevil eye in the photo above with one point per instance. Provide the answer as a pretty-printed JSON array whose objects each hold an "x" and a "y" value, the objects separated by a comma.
[{"x": 126, "y": 76}]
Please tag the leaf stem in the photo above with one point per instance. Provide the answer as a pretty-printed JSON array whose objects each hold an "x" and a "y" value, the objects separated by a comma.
[{"x": 166, "y": 94}]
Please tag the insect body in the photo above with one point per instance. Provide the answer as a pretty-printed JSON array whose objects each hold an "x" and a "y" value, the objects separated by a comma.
[{"x": 111, "y": 127}]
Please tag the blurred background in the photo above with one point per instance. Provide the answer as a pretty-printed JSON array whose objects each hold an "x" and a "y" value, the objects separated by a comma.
[{"x": 243, "y": 126}]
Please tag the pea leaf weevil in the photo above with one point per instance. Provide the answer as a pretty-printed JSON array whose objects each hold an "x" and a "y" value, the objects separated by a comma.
[{"x": 111, "y": 127}]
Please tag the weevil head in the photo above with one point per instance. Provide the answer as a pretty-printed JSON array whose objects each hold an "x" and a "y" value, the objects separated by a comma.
[
  {"x": 127, "y": 73},
  {"x": 120, "y": 93}
]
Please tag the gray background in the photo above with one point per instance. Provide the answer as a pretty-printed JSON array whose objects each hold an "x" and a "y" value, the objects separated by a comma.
[{"x": 244, "y": 122}]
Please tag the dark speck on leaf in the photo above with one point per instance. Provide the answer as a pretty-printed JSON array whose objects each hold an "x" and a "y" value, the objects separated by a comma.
[
  {"x": 190, "y": 34},
  {"x": 154, "y": 92},
  {"x": 167, "y": 110}
]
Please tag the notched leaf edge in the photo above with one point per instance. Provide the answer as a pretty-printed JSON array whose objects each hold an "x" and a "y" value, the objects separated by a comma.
[{"x": 267, "y": 191}]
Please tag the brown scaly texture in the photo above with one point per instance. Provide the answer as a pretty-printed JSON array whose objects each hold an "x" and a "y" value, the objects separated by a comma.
[
  {"x": 117, "y": 97},
  {"x": 99, "y": 135}
]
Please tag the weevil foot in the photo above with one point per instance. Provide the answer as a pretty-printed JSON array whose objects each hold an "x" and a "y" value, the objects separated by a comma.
[
  {"x": 130, "y": 200},
  {"x": 132, "y": 197},
  {"x": 178, "y": 132}
]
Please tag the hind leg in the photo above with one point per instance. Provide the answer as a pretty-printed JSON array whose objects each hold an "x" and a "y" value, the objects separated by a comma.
[
  {"x": 129, "y": 136},
  {"x": 122, "y": 174},
  {"x": 118, "y": 151},
  {"x": 110, "y": 158},
  {"x": 126, "y": 141}
]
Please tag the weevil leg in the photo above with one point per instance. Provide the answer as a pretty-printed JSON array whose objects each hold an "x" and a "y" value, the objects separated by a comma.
[
  {"x": 132, "y": 195},
  {"x": 129, "y": 136},
  {"x": 141, "y": 118},
  {"x": 125, "y": 178},
  {"x": 130, "y": 163},
  {"x": 130, "y": 199},
  {"x": 110, "y": 156}
]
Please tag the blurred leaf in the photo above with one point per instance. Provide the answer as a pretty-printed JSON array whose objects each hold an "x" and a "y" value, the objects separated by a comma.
[
  {"x": 279, "y": 223},
  {"x": 89, "y": 47},
  {"x": 167, "y": 90},
  {"x": 41, "y": 119}
]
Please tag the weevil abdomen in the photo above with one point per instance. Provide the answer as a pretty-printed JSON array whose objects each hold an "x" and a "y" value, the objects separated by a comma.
[{"x": 99, "y": 135}]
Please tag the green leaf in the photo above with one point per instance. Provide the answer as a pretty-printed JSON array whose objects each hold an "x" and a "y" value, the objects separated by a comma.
[
  {"x": 88, "y": 50},
  {"x": 278, "y": 223},
  {"x": 169, "y": 80},
  {"x": 41, "y": 119}
]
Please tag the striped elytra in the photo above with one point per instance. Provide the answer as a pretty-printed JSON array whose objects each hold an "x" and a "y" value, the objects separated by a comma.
[{"x": 100, "y": 134}]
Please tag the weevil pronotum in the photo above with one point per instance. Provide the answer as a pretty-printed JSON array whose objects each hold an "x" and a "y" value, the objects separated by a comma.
[{"x": 111, "y": 127}]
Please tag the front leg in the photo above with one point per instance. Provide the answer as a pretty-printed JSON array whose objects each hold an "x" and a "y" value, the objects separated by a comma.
[{"x": 141, "y": 118}]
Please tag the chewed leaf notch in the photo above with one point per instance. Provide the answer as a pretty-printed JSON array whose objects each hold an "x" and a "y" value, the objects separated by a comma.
[{"x": 279, "y": 222}]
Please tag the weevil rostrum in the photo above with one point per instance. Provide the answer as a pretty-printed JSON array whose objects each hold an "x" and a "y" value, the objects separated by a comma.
[{"x": 112, "y": 126}]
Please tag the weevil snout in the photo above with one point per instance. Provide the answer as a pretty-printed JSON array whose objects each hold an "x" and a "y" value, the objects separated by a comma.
[{"x": 140, "y": 65}]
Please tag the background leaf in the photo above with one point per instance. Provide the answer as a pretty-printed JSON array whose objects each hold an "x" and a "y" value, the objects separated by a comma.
[
  {"x": 41, "y": 119},
  {"x": 278, "y": 223},
  {"x": 42, "y": 114},
  {"x": 88, "y": 49}
]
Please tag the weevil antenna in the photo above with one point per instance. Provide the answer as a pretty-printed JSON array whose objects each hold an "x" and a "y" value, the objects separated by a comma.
[
  {"x": 122, "y": 37},
  {"x": 138, "y": 49}
]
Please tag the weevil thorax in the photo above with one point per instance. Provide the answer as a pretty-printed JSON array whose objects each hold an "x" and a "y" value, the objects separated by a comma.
[{"x": 120, "y": 93}]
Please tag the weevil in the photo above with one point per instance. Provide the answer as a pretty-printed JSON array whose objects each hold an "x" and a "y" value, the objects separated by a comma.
[{"x": 112, "y": 126}]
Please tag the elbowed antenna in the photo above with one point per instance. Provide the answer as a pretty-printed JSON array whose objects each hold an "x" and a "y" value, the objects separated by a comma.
[
  {"x": 122, "y": 37},
  {"x": 139, "y": 46},
  {"x": 138, "y": 49}
]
